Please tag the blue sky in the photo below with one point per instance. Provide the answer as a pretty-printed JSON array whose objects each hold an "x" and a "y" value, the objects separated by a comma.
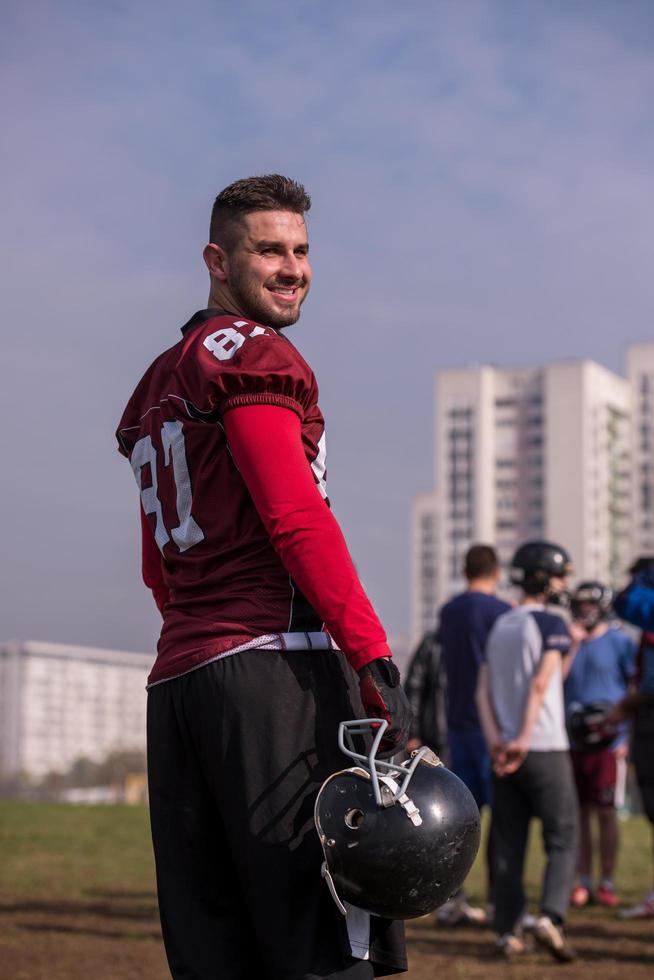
[{"x": 482, "y": 176}]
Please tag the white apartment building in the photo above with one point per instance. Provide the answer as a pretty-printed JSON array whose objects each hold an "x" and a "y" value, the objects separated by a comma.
[
  {"x": 588, "y": 479},
  {"x": 60, "y": 702},
  {"x": 640, "y": 372},
  {"x": 424, "y": 551},
  {"x": 525, "y": 453}
]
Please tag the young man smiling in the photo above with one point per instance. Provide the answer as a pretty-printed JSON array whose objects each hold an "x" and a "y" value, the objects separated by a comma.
[{"x": 268, "y": 640}]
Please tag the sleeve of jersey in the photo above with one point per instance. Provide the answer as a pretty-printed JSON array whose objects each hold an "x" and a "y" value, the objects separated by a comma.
[
  {"x": 266, "y": 444},
  {"x": 555, "y": 633},
  {"x": 246, "y": 364},
  {"x": 151, "y": 567}
]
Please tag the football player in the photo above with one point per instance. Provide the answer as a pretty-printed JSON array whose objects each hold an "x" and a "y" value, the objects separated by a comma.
[
  {"x": 268, "y": 639},
  {"x": 598, "y": 672}
]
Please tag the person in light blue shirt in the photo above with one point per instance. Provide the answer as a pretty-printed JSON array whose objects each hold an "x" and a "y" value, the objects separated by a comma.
[{"x": 598, "y": 673}]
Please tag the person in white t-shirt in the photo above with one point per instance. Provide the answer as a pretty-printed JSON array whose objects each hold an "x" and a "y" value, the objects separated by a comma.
[{"x": 521, "y": 708}]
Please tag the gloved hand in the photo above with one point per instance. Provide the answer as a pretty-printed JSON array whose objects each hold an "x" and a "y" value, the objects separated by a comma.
[{"x": 383, "y": 697}]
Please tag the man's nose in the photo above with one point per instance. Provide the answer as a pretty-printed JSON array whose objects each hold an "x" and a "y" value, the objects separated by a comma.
[{"x": 291, "y": 266}]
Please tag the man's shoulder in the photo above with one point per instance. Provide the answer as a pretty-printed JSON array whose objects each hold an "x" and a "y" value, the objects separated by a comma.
[
  {"x": 496, "y": 606},
  {"x": 227, "y": 337},
  {"x": 507, "y": 634},
  {"x": 226, "y": 361},
  {"x": 453, "y": 604},
  {"x": 471, "y": 601},
  {"x": 619, "y": 639},
  {"x": 222, "y": 358},
  {"x": 544, "y": 615},
  {"x": 510, "y": 616},
  {"x": 525, "y": 616},
  {"x": 553, "y": 629}
]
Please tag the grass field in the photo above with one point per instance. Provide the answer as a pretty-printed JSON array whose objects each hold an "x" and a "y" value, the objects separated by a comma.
[{"x": 77, "y": 901}]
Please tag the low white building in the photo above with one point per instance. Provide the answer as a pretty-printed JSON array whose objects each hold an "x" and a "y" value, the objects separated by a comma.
[{"x": 60, "y": 702}]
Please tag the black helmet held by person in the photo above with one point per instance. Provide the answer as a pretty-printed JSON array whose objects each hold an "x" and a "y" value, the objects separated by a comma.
[
  {"x": 591, "y": 726},
  {"x": 398, "y": 840}
]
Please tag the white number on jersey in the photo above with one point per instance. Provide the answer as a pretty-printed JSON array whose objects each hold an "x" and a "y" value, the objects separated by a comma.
[
  {"x": 319, "y": 465},
  {"x": 187, "y": 533},
  {"x": 224, "y": 343}
]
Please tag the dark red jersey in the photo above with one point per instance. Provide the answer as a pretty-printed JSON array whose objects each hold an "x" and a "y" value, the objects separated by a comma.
[{"x": 220, "y": 582}]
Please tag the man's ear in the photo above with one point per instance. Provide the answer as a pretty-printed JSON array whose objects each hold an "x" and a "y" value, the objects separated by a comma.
[{"x": 215, "y": 259}]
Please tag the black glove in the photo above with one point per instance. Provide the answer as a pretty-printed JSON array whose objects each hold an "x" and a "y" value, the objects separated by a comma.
[{"x": 383, "y": 697}]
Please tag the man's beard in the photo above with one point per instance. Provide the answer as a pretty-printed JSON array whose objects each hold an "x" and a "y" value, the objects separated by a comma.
[{"x": 250, "y": 301}]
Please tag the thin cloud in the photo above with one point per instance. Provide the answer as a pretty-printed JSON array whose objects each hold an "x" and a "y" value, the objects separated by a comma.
[{"x": 482, "y": 184}]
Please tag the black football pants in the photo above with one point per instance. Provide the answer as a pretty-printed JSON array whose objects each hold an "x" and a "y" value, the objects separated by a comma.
[{"x": 237, "y": 751}]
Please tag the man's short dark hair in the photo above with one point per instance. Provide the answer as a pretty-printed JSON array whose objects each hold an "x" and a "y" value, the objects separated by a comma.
[
  {"x": 270, "y": 192},
  {"x": 481, "y": 561}
]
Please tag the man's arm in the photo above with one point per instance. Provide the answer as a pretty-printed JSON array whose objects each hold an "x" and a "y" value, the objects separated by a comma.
[
  {"x": 517, "y": 749},
  {"x": 266, "y": 444},
  {"x": 578, "y": 635},
  {"x": 486, "y": 713}
]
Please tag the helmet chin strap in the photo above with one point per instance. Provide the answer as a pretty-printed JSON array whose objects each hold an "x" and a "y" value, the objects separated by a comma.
[
  {"x": 560, "y": 597},
  {"x": 389, "y": 790},
  {"x": 325, "y": 872}
]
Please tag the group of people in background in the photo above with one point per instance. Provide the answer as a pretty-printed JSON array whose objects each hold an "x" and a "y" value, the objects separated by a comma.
[{"x": 536, "y": 705}]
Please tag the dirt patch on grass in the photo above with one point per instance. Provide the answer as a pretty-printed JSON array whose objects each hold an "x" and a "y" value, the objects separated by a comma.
[
  {"x": 77, "y": 902},
  {"x": 116, "y": 936}
]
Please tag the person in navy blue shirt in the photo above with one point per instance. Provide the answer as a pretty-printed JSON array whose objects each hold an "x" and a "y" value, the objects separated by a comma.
[
  {"x": 464, "y": 624},
  {"x": 598, "y": 673}
]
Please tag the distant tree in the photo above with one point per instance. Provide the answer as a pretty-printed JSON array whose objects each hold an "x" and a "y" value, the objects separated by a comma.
[
  {"x": 84, "y": 772},
  {"x": 119, "y": 764}
]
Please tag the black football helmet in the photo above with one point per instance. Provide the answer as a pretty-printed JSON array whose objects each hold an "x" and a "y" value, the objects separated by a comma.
[
  {"x": 535, "y": 563},
  {"x": 589, "y": 727},
  {"x": 398, "y": 840},
  {"x": 600, "y": 595}
]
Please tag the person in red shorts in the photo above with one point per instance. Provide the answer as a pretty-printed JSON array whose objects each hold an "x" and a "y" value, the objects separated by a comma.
[
  {"x": 268, "y": 640},
  {"x": 598, "y": 672}
]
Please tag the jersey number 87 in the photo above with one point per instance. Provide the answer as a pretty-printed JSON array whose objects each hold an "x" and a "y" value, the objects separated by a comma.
[{"x": 188, "y": 532}]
